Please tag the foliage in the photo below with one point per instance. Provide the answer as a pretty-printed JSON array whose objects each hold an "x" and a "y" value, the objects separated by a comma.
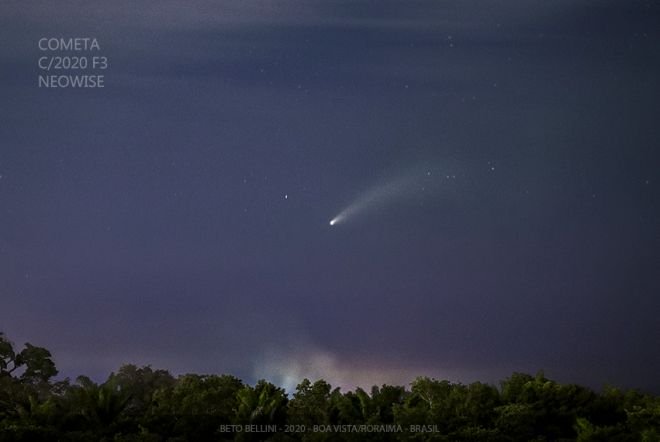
[{"x": 143, "y": 404}]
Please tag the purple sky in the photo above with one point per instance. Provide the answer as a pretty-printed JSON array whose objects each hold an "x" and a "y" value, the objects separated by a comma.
[{"x": 502, "y": 161}]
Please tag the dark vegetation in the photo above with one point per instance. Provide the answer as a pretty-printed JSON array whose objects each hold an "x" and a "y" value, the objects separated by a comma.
[{"x": 143, "y": 404}]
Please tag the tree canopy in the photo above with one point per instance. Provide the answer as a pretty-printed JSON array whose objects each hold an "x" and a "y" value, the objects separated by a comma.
[{"x": 145, "y": 404}]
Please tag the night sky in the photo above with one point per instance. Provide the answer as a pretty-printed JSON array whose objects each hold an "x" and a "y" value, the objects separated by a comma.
[{"x": 496, "y": 164}]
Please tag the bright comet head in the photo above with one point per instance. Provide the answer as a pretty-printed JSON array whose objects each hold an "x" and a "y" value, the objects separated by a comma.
[{"x": 337, "y": 219}]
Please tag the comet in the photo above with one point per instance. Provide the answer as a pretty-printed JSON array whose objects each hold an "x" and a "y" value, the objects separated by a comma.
[
  {"x": 336, "y": 219},
  {"x": 414, "y": 182}
]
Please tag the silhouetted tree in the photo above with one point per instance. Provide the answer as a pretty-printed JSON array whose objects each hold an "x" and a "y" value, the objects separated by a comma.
[{"x": 143, "y": 404}]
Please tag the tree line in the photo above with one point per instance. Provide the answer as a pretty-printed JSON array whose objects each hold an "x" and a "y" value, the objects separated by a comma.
[{"x": 146, "y": 404}]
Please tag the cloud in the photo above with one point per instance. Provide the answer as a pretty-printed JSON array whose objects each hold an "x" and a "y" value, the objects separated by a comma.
[{"x": 288, "y": 365}]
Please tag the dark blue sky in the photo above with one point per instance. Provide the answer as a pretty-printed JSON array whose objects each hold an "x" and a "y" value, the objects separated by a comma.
[{"x": 179, "y": 216}]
